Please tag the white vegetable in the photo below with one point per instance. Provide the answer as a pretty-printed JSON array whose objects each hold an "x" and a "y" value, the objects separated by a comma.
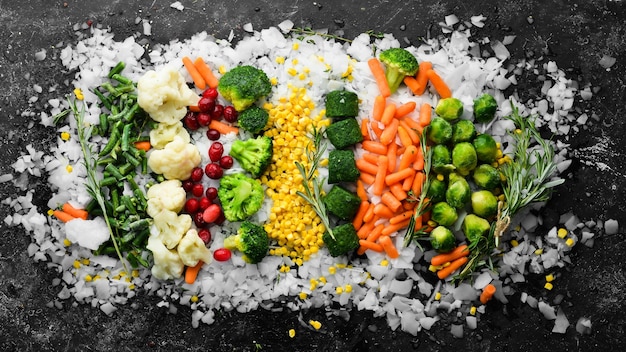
[
  {"x": 167, "y": 263},
  {"x": 176, "y": 160},
  {"x": 171, "y": 227},
  {"x": 164, "y": 133},
  {"x": 167, "y": 195},
  {"x": 164, "y": 95},
  {"x": 192, "y": 249},
  {"x": 87, "y": 233}
]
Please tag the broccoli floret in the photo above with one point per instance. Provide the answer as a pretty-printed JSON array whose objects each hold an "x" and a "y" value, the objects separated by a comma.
[
  {"x": 342, "y": 166},
  {"x": 344, "y": 133},
  {"x": 342, "y": 203},
  {"x": 244, "y": 85},
  {"x": 253, "y": 119},
  {"x": 345, "y": 240},
  {"x": 399, "y": 63},
  {"x": 240, "y": 195},
  {"x": 251, "y": 240},
  {"x": 254, "y": 154},
  {"x": 341, "y": 104}
]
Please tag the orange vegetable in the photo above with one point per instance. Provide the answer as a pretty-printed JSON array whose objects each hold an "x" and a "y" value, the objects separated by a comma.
[
  {"x": 412, "y": 83},
  {"x": 405, "y": 215},
  {"x": 398, "y": 192},
  {"x": 418, "y": 182},
  {"x": 392, "y": 148},
  {"x": 374, "y": 147},
  {"x": 458, "y": 252},
  {"x": 365, "y": 245},
  {"x": 418, "y": 163},
  {"x": 370, "y": 158},
  {"x": 143, "y": 145},
  {"x": 367, "y": 178},
  {"x": 454, "y": 265},
  {"x": 63, "y": 216},
  {"x": 404, "y": 136},
  {"x": 360, "y": 190},
  {"x": 193, "y": 72},
  {"x": 366, "y": 166},
  {"x": 365, "y": 229},
  {"x": 391, "y": 202},
  {"x": 389, "y": 133},
  {"x": 364, "y": 130},
  {"x": 379, "y": 76},
  {"x": 194, "y": 108},
  {"x": 379, "y": 182},
  {"x": 405, "y": 109},
  {"x": 376, "y": 129},
  {"x": 407, "y": 157},
  {"x": 388, "y": 114},
  {"x": 487, "y": 293},
  {"x": 422, "y": 77},
  {"x": 383, "y": 211},
  {"x": 440, "y": 85},
  {"x": 389, "y": 247},
  {"x": 379, "y": 107},
  {"x": 205, "y": 71},
  {"x": 399, "y": 176},
  {"x": 191, "y": 272},
  {"x": 375, "y": 233},
  {"x": 358, "y": 218},
  {"x": 425, "y": 115},
  {"x": 369, "y": 214},
  {"x": 407, "y": 183},
  {"x": 222, "y": 127},
  {"x": 395, "y": 227},
  {"x": 77, "y": 213}
]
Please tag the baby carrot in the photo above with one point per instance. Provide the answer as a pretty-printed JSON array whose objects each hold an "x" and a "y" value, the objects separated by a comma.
[
  {"x": 63, "y": 216},
  {"x": 143, "y": 145},
  {"x": 391, "y": 202},
  {"x": 365, "y": 245},
  {"x": 360, "y": 190},
  {"x": 395, "y": 227},
  {"x": 379, "y": 76},
  {"x": 392, "y": 148},
  {"x": 487, "y": 293},
  {"x": 379, "y": 182},
  {"x": 422, "y": 77},
  {"x": 418, "y": 163},
  {"x": 398, "y": 192},
  {"x": 399, "y": 176},
  {"x": 404, "y": 136},
  {"x": 383, "y": 211},
  {"x": 454, "y": 265},
  {"x": 365, "y": 229},
  {"x": 405, "y": 109},
  {"x": 412, "y": 128},
  {"x": 370, "y": 158},
  {"x": 418, "y": 182},
  {"x": 412, "y": 83},
  {"x": 364, "y": 130},
  {"x": 407, "y": 157},
  {"x": 222, "y": 127},
  {"x": 375, "y": 233},
  {"x": 376, "y": 129},
  {"x": 191, "y": 273},
  {"x": 390, "y": 131},
  {"x": 425, "y": 114},
  {"x": 388, "y": 114},
  {"x": 389, "y": 247},
  {"x": 77, "y": 213},
  {"x": 458, "y": 252},
  {"x": 407, "y": 183},
  {"x": 405, "y": 215},
  {"x": 374, "y": 147},
  {"x": 440, "y": 85},
  {"x": 358, "y": 218},
  {"x": 379, "y": 107},
  {"x": 194, "y": 108},
  {"x": 369, "y": 214},
  {"x": 366, "y": 166},
  {"x": 367, "y": 178},
  {"x": 205, "y": 72},
  {"x": 193, "y": 72}
]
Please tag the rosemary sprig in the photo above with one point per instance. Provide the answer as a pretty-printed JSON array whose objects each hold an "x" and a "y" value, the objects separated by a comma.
[
  {"x": 423, "y": 204},
  {"x": 308, "y": 31},
  {"x": 310, "y": 182}
]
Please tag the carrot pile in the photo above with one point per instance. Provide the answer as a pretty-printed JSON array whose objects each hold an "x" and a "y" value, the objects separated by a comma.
[
  {"x": 200, "y": 73},
  {"x": 69, "y": 212},
  {"x": 447, "y": 263}
]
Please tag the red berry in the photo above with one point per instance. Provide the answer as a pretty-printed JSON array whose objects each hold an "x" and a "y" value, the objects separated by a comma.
[
  {"x": 230, "y": 114},
  {"x": 221, "y": 254},
  {"x": 211, "y": 213},
  {"x": 213, "y": 134},
  {"x": 205, "y": 235},
  {"x": 206, "y": 104},
  {"x": 196, "y": 174},
  {"x": 214, "y": 171},
  {"x": 220, "y": 220},
  {"x": 204, "y": 119},
  {"x": 198, "y": 219},
  {"x": 210, "y": 93},
  {"x": 218, "y": 112},
  {"x": 188, "y": 185},
  {"x": 204, "y": 203},
  {"x": 211, "y": 193},
  {"x": 226, "y": 162},
  {"x": 197, "y": 190},
  {"x": 192, "y": 205},
  {"x": 215, "y": 151},
  {"x": 191, "y": 121}
]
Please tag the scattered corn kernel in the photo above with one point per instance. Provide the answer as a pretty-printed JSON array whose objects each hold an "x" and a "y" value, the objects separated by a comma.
[
  {"x": 273, "y": 81},
  {"x": 88, "y": 278},
  {"x": 332, "y": 270},
  {"x": 222, "y": 69},
  {"x": 549, "y": 278},
  {"x": 315, "y": 324},
  {"x": 433, "y": 268},
  {"x": 514, "y": 243},
  {"x": 85, "y": 261},
  {"x": 472, "y": 310},
  {"x": 50, "y": 212},
  {"x": 69, "y": 168},
  {"x": 292, "y": 333},
  {"x": 569, "y": 242},
  {"x": 295, "y": 46},
  {"x": 67, "y": 242},
  {"x": 440, "y": 177},
  {"x": 65, "y": 136},
  {"x": 131, "y": 286},
  {"x": 384, "y": 262},
  {"x": 76, "y": 264},
  {"x": 562, "y": 232},
  {"x": 303, "y": 295},
  {"x": 194, "y": 299},
  {"x": 280, "y": 60},
  {"x": 347, "y": 288},
  {"x": 323, "y": 279},
  {"x": 135, "y": 273},
  {"x": 437, "y": 296},
  {"x": 548, "y": 286},
  {"x": 539, "y": 251},
  {"x": 339, "y": 290},
  {"x": 79, "y": 94}
]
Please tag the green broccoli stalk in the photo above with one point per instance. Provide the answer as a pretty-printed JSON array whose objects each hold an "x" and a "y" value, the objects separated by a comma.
[
  {"x": 399, "y": 63},
  {"x": 253, "y": 119},
  {"x": 254, "y": 154},
  {"x": 251, "y": 240},
  {"x": 243, "y": 86},
  {"x": 240, "y": 195}
]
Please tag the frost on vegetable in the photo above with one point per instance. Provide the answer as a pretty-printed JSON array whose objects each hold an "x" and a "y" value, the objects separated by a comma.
[
  {"x": 164, "y": 95},
  {"x": 176, "y": 160}
]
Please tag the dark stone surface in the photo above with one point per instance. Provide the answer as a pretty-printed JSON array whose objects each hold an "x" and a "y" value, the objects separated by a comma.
[{"x": 576, "y": 34}]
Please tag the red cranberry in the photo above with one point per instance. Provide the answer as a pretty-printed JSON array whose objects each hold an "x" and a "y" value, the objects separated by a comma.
[
  {"x": 188, "y": 185},
  {"x": 220, "y": 220},
  {"x": 192, "y": 205},
  {"x": 221, "y": 254},
  {"x": 210, "y": 93},
  {"x": 204, "y": 119},
  {"x": 226, "y": 162},
  {"x": 230, "y": 114},
  {"x": 211, "y": 193},
  {"x": 191, "y": 121},
  {"x": 204, "y": 203},
  {"x": 213, "y": 134},
  {"x": 206, "y": 104},
  {"x": 198, "y": 219},
  {"x": 211, "y": 213},
  {"x": 196, "y": 174},
  {"x": 215, "y": 151},
  {"x": 218, "y": 112},
  {"x": 214, "y": 171},
  {"x": 205, "y": 235},
  {"x": 197, "y": 190}
]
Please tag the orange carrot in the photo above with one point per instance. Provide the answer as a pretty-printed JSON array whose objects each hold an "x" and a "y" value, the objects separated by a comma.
[
  {"x": 77, "y": 213},
  {"x": 407, "y": 157},
  {"x": 400, "y": 150},
  {"x": 398, "y": 192},
  {"x": 379, "y": 182},
  {"x": 454, "y": 265},
  {"x": 360, "y": 190},
  {"x": 404, "y": 136},
  {"x": 418, "y": 182},
  {"x": 399, "y": 176},
  {"x": 383, "y": 211},
  {"x": 376, "y": 129},
  {"x": 388, "y": 114},
  {"x": 422, "y": 77},
  {"x": 405, "y": 109},
  {"x": 407, "y": 183},
  {"x": 367, "y": 178},
  {"x": 425, "y": 114},
  {"x": 458, "y": 252},
  {"x": 391, "y": 156},
  {"x": 63, "y": 216},
  {"x": 205, "y": 72},
  {"x": 389, "y": 133},
  {"x": 365, "y": 245},
  {"x": 369, "y": 214},
  {"x": 440, "y": 85},
  {"x": 379, "y": 76},
  {"x": 191, "y": 273},
  {"x": 194, "y": 108},
  {"x": 411, "y": 130},
  {"x": 222, "y": 127},
  {"x": 418, "y": 163},
  {"x": 364, "y": 130},
  {"x": 389, "y": 247},
  {"x": 375, "y": 233},
  {"x": 379, "y": 107},
  {"x": 395, "y": 227},
  {"x": 405, "y": 215},
  {"x": 419, "y": 220},
  {"x": 412, "y": 83},
  {"x": 358, "y": 218},
  {"x": 193, "y": 72},
  {"x": 143, "y": 145},
  {"x": 365, "y": 229},
  {"x": 366, "y": 166},
  {"x": 487, "y": 293},
  {"x": 408, "y": 205},
  {"x": 391, "y": 202},
  {"x": 370, "y": 158},
  {"x": 374, "y": 147}
]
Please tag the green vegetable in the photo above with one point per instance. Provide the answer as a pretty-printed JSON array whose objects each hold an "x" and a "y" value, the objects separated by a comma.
[
  {"x": 399, "y": 63},
  {"x": 341, "y": 104},
  {"x": 449, "y": 109},
  {"x": 442, "y": 161},
  {"x": 442, "y": 239},
  {"x": 439, "y": 131},
  {"x": 484, "y": 203},
  {"x": 345, "y": 240},
  {"x": 251, "y": 240},
  {"x": 240, "y": 195},
  {"x": 458, "y": 193},
  {"x": 464, "y": 158},
  {"x": 463, "y": 131},
  {"x": 254, "y": 154},
  {"x": 486, "y": 176},
  {"x": 444, "y": 214},
  {"x": 344, "y": 133},
  {"x": 485, "y": 108},
  {"x": 475, "y": 227},
  {"x": 253, "y": 119},
  {"x": 341, "y": 202},
  {"x": 342, "y": 167},
  {"x": 437, "y": 190},
  {"x": 243, "y": 86},
  {"x": 486, "y": 148}
]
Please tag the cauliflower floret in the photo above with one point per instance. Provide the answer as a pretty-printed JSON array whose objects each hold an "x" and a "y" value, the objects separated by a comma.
[
  {"x": 167, "y": 262},
  {"x": 167, "y": 195},
  {"x": 164, "y": 95},
  {"x": 171, "y": 227},
  {"x": 164, "y": 133},
  {"x": 176, "y": 160},
  {"x": 192, "y": 249}
]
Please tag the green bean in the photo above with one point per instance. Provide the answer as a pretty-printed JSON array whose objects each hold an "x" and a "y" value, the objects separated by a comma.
[
  {"x": 104, "y": 123},
  {"x": 114, "y": 171},
  {"x": 139, "y": 224},
  {"x": 126, "y": 168},
  {"x": 117, "y": 69},
  {"x": 126, "y": 137},
  {"x": 108, "y": 181},
  {"x": 105, "y": 100},
  {"x": 128, "y": 203},
  {"x": 131, "y": 159},
  {"x": 123, "y": 80},
  {"x": 128, "y": 116}
]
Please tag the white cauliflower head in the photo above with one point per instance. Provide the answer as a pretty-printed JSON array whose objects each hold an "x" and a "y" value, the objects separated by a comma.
[
  {"x": 171, "y": 227},
  {"x": 176, "y": 160},
  {"x": 164, "y": 133},
  {"x": 192, "y": 249},
  {"x": 164, "y": 95},
  {"x": 168, "y": 195},
  {"x": 167, "y": 262}
]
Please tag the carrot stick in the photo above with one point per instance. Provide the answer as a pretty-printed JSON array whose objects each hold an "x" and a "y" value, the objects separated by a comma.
[
  {"x": 143, "y": 145},
  {"x": 205, "y": 72},
  {"x": 383, "y": 211},
  {"x": 440, "y": 85},
  {"x": 379, "y": 76},
  {"x": 425, "y": 115},
  {"x": 411, "y": 130},
  {"x": 487, "y": 293},
  {"x": 412, "y": 83},
  {"x": 366, "y": 166},
  {"x": 77, "y": 213},
  {"x": 391, "y": 202},
  {"x": 360, "y": 190},
  {"x": 458, "y": 252},
  {"x": 405, "y": 109},
  {"x": 390, "y": 131},
  {"x": 358, "y": 218},
  {"x": 388, "y": 114},
  {"x": 365, "y": 245},
  {"x": 222, "y": 127},
  {"x": 407, "y": 183},
  {"x": 379, "y": 107},
  {"x": 398, "y": 192},
  {"x": 194, "y": 108},
  {"x": 418, "y": 182},
  {"x": 365, "y": 229},
  {"x": 374, "y": 147},
  {"x": 193, "y": 72},
  {"x": 392, "y": 157},
  {"x": 370, "y": 158},
  {"x": 379, "y": 182},
  {"x": 191, "y": 273},
  {"x": 369, "y": 214},
  {"x": 405, "y": 215},
  {"x": 407, "y": 157},
  {"x": 367, "y": 178},
  {"x": 376, "y": 129},
  {"x": 395, "y": 227},
  {"x": 375, "y": 233},
  {"x": 389, "y": 247},
  {"x": 404, "y": 136},
  {"x": 398, "y": 176},
  {"x": 454, "y": 265},
  {"x": 418, "y": 163},
  {"x": 364, "y": 130},
  {"x": 422, "y": 77},
  {"x": 63, "y": 216}
]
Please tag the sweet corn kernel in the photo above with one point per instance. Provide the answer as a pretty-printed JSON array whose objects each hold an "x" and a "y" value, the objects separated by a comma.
[
  {"x": 315, "y": 324},
  {"x": 437, "y": 296},
  {"x": 222, "y": 69},
  {"x": 194, "y": 299},
  {"x": 514, "y": 243},
  {"x": 85, "y": 261},
  {"x": 548, "y": 286},
  {"x": 348, "y": 288},
  {"x": 292, "y": 71},
  {"x": 322, "y": 279},
  {"x": 549, "y": 277},
  {"x": 131, "y": 286},
  {"x": 433, "y": 268},
  {"x": 88, "y": 278},
  {"x": 65, "y": 136},
  {"x": 96, "y": 277},
  {"x": 384, "y": 262},
  {"x": 50, "y": 212},
  {"x": 472, "y": 310},
  {"x": 332, "y": 270},
  {"x": 280, "y": 60},
  {"x": 292, "y": 333},
  {"x": 67, "y": 242},
  {"x": 303, "y": 295},
  {"x": 561, "y": 232},
  {"x": 341, "y": 265},
  {"x": 79, "y": 94},
  {"x": 69, "y": 168},
  {"x": 273, "y": 81},
  {"x": 539, "y": 251},
  {"x": 440, "y": 177},
  {"x": 76, "y": 264},
  {"x": 569, "y": 242},
  {"x": 339, "y": 290}
]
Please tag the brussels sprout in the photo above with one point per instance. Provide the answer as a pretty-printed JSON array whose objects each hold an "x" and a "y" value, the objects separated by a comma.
[
  {"x": 439, "y": 130},
  {"x": 475, "y": 227},
  {"x": 442, "y": 239},
  {"x": 463, "y": 131},
  {"x": 441, "y": 160},
  {"x": 486, "y": 176},
  {"x": 486, "y": 148},
  {"x": 436, "y": 190},
  {"x": 485, "y": 108},
  {"x": 464, "y": 158},
  {"x": 444, "y": 214},
  {"x": 484, "y": 203},
  {"x": 458, "y": 193},
  {"x": 449, "y": 109}
]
